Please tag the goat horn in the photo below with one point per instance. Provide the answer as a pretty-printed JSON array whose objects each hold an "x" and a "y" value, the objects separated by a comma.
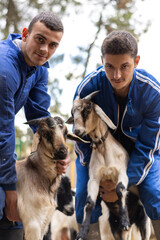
[
  {"x": 33, "y": 121},
  {"x": 74, "y": 137},
  {"x": 70, "y": 120},
  {"x": 91, "y": 95}
]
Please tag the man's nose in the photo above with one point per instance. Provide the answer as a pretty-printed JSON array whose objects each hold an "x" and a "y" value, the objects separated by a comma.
[
  {"x": 117, "y": 73},
  {"x": 44, "y": 48}
]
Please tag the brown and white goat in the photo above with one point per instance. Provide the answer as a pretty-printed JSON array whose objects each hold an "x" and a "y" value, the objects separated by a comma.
[
  {"x": 38, "y": 179},
  {"x": 108, "y": 161}
]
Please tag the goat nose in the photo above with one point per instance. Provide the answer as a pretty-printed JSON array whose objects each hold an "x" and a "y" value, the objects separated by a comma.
[
  {"x": 70, "y": 211},
  {"x": 62, "y": 152}
]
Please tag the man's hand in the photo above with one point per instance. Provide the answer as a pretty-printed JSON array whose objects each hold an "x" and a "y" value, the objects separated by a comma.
[
  {"x": 63, "y": 164},
  {"x": 107, "y": 191},
  {"x": 11, "y": 206}
]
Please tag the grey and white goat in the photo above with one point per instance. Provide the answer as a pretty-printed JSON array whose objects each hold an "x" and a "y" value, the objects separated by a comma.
[
  {"x": 108, "y": 161},
  {"x": 38, "y": 179}
]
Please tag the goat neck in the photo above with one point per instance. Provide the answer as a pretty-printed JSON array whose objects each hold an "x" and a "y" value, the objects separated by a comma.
[
  {"x": 43, "y": 173},
  {"x": 43, "y": 163},
  {"x": 99, "y": 134}
]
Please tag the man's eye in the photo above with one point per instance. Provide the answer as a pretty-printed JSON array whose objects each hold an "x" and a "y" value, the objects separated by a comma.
[
  {"x": 109, "y": 66},
  {"x": 53, "y": 45},
  {"x": 124, "y": 67},
  {"x": 40, "y": 40}
]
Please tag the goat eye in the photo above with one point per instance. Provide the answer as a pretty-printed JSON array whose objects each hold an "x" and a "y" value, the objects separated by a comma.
[
  {"x": 79, "y": 108},
  {"x": 88, "y": 107},
  {"x": 60, "y": 125},
  {"x": 65, "y": 132},
  {"x": 72, "y": 113}
]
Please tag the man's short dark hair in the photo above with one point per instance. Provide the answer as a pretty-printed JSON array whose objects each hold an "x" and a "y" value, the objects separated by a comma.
[
  {"x": 120, "y": 42},
  {"x": 51, "y": 21}
]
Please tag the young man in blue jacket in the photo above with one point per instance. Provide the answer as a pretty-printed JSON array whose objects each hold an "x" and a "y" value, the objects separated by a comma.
[
  {"x": 23, "y": 83},
  {"x": 131, "y": 99}
]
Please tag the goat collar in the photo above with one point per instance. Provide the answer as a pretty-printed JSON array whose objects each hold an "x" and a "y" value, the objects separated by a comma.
[
  {"x": 50, "y": 157},
  {"x": 94, "y": 144}
]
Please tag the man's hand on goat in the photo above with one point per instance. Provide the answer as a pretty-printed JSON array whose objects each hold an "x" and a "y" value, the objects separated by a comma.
[
  {"x": 108, "y": 191},
  {"x": 63, "y": 164},
  {"x": 11, "y": 206}
]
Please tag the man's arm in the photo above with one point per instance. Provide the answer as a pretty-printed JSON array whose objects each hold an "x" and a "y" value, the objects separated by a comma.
[
  {"x": 147, "y": 146},
  {"x": 38, "y": 101},
  {"x": 11, "y": 211},
  {"x": 7, "y": 146}
]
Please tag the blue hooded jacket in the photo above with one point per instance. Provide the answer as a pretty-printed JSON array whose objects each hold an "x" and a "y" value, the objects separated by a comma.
[
  {"x": 140, "y": 124},
  {"x": 140, "y": 121},
  {"x": 20, "y": 86}
]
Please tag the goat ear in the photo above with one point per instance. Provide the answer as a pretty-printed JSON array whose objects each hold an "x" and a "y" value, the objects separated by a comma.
[
  {"x": 74, "y": 137},
  {"x": 104, "y": 117},
  {"x": 70, "y": 120},
  {"x": 91, "y": 95}
]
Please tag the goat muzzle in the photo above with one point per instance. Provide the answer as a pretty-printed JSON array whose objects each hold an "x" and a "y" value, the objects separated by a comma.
[
  {"x": 94, "y": 144},
  {"x": 61, "y": 153},
  {"x": 80, "y": 134}
]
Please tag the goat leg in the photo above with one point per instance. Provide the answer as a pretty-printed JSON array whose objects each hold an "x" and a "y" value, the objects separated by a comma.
[
  {"x": 93, "y": 189},
  {"x": 82, "y": 234},
  {"x": 123, "y": 211}
]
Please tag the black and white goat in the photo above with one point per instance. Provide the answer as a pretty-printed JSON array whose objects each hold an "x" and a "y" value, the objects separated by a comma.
[
  {"x": 65, "y": 203},
  {"x": 38, "y": 179},
  {"x": 108, "y": 161}
]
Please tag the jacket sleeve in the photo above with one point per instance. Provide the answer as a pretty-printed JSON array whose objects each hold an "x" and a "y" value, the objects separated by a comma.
[
  {"x": 147, "y": 146},
  {"x": 7, "y": 136},
  {"x": 38, "y": 101}
]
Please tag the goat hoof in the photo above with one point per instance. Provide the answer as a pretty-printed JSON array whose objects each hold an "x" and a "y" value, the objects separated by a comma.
[
  {"x": 125, "y": 225},
  {"x": 126, "y": 228},
  {"x": 81, "y": 236}
]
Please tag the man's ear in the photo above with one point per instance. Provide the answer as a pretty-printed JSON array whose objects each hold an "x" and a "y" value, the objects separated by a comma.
[
  {"x": 24, "y": 33},
  {"x": 137, "y": 61},
  {"x": 102, "y": 59}
]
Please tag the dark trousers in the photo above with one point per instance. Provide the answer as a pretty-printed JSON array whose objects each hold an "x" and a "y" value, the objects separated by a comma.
[
  {"x": 11, "y": 234},
  {"x": 10, "y": 230}
]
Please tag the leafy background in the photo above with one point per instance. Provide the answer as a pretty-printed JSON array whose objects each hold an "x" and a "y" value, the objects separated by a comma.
[{"x": 86, "y": 23}]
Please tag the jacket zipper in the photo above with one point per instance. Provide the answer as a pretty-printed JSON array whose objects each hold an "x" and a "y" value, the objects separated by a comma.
[
  {"x": 125, "y": 110},
  {"x": 29, "y": 75},
  {"x": 117, "y": 120}
]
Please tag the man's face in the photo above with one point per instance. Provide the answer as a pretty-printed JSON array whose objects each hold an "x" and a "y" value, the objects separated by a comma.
[
  {"x": 40, "y": 44},
  {"x": 119, "y": 71}
]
